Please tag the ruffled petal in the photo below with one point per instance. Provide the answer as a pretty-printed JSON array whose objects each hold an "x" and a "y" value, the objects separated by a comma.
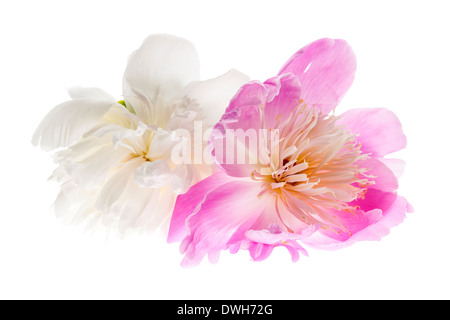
[
  {"x": 92, "y": 170},
  {"x": 190, "y": 202},
  {"x": 284, "y": 96},
  {"x": 371, "y": 225},
  {"x": 224, "y": 211},
  {"x": 384, "y": 178},
  {"x": 397, "y": 166},
  {"x": 375, "y": 199},
  {"x": 260, "y": 243},
  {"x": 155, "y": 174},
  {"x": 68, "y": 121},
  {"x": 272, "y": 235},
  {"x": 113, "y": 188},
  {"x": 233, "y": 142},
  {"x": 214, "y": 95},
  {"x": 140, "y": 208},
  {"x": 162, "y": 144},
  {"x": 243, "y": 110},
  {"x": 326, "y": 69},
  {"x": 162, "y": 66},
  {"x": 378, "y": 130},
  {"x": 259, "y": 251}
]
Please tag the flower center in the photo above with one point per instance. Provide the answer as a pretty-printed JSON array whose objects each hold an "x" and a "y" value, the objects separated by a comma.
[
  {"x": 314, "y": 169},
  {"x": 144, "y": 155},
  {"x": 151, "y": 125}
]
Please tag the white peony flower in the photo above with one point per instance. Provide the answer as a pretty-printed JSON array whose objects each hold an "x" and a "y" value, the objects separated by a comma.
[{"x": 114, "y": 157}]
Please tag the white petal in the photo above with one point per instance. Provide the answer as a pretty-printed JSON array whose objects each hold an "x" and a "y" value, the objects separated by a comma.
[
  {"x": 183, "y": 120},
  {"x": 92, "y": 171},
  {"x": 120, "y": 203},
  {"x": 181, "y": 178},
  {"x": 162, "y": 144},
  {"x": 131, "y": 139},
  {"x": 67, "y": 122},
  {"x": 158, "y": 214},
  {"x": 81, "y": 150},
  {"x": 149, "y": 209},
  {"x": 214, "y": 95},
  {"x": 114, "y": 187},
  {"x": 163, "y": 65},
  {"x": 155, "y": 174},
  {"x": 89, "y": 92}
]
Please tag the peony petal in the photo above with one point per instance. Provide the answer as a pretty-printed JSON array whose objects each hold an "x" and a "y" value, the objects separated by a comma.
[
  {"x": 162, "y": 143},
  {"x": 114, "y": 187},
  {"x": 81, "y": 150},
  {"x": 375, "y": 199},
  {"x": 397, "y": 166},
  {"x": 163, "y": 65},
  {"x": 189, "y": 202},
  {"x": 269, "y": 236},
  {"x": 294, "y": 252},
  {"x": 286, "y": 93},
  {"x": 355, "y": 222},
  {"x": 155, "y": 174},
  {"x": 68, "y": 121},
  {"x": 378, "y": 130},
  {"x": 326, "y": 69},
  {"x": 222, "y": 213},
  {"x": 260, "y": 244},
  {"x": 384, "y": 178},
  {"x": 372, "y": 225},
  {"x": 91, "y": 171},
  {"x": 147, "y": 210},
  {"x": 181, "y": 178},
  {"x": 372, "y": 209},
  {"x": 75, "y": 204},
  {"x": 89, "y": 93},
  {"x": 260, "y": 251},
  {"x": 249, "y": 97},
  {"x": 214, "y": 95},
  {"x": 236, "y": 153}
]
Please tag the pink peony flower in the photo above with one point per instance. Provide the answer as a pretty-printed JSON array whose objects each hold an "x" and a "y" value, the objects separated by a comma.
[{"x": 318, "y": 179}]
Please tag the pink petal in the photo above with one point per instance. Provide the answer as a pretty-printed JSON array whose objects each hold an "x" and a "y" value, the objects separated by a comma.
[
  {"x": 242, "y": 117},
  {"x": 250, "y": 95},
  {"x": 391, "y": 218},
  {"x": 271, "y": 236},
  {"x": 269, "y": 217},
  {"x": 367, "y": 226},
  {"x": 372, "y": 208},
  {"x": 261, "y": 242},
  {"x": 375, "y": 199},
  {"x": 294, "y": 251},
  {"x": 259, "y": 251},
  {"x": 326, "y": 69},
  {"x": 397, "y": 166},
  {"x": 355, "y": 222},
  {"x": 231, "y": 207},
  {"x": 189, "y": 202},
  {"x": 378, "y": 130},
  {"x": 384, "y": 178},
  {"x": 284, "y": 94}
]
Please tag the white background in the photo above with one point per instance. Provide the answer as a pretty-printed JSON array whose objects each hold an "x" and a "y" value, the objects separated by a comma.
[{"x": 403, "y": 64}]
